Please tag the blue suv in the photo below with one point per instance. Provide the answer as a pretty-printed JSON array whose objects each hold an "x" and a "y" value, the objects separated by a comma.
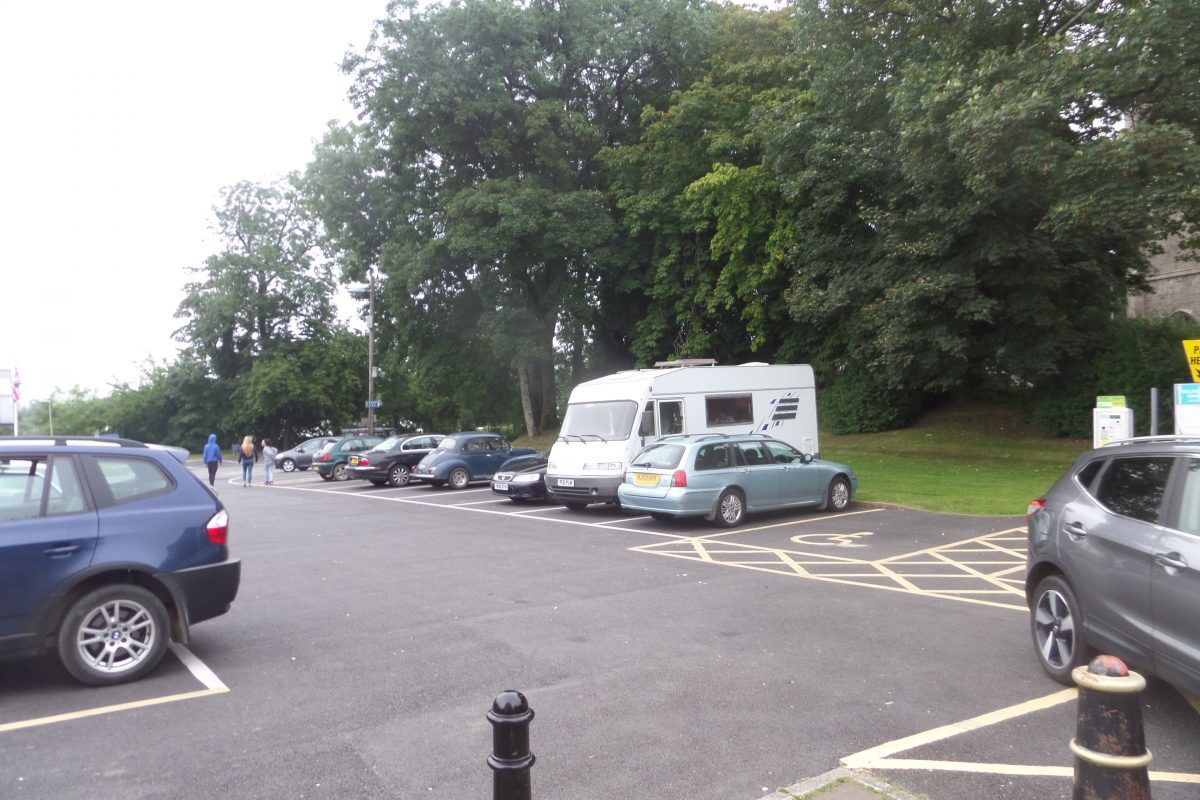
[{"x": 107, "y": 548}]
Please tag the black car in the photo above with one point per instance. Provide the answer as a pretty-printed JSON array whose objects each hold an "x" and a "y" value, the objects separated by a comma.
[
  {"x": 522, "y": 478},
  {"x": 391, "y": 461}
]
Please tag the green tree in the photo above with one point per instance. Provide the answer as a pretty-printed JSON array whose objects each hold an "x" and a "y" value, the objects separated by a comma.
[
  {"x": 975, "y": 187},
  {"x": 476, "y": 169}
]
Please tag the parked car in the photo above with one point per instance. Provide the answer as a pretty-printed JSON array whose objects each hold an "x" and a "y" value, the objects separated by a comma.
[
  {"x": 330, "y": 460},
  {"x": 722, "y": 478},
  {"x": 108, "y": 548},
  {"x": 461, "y": 458},
  {"x": 1114, "y": 561},
  {"x": 522, "y": 478},
  {"x": 301, "y": 456},
  {"x": 391, "y": 461}
]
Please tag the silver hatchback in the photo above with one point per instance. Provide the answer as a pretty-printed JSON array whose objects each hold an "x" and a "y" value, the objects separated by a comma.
[
  {"x": 1114, "y": 561},
  {"x": 721, "y": 478}
]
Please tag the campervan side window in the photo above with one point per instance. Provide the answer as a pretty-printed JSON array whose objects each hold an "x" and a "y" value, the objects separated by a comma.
[
  {"x": 611, "y": 420},
  {"x": 729, "y": 410}
]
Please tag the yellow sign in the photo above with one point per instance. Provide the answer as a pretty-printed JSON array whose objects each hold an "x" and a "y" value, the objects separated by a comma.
[{"x": 1192, "y": 348}]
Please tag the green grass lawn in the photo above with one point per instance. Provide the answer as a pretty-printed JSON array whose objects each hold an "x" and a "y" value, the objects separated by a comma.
[{"x": 969, "y": 459}]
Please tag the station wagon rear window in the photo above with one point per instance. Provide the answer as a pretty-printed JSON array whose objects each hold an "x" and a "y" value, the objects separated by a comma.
[
  {"x": 659, "y": 456},
  {"x": 611, "y": 420}
]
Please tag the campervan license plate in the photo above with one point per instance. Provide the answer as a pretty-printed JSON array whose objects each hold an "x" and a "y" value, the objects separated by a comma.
[
  {"x": 645, "y": 479},
  {"x": 564, "y": 481}
]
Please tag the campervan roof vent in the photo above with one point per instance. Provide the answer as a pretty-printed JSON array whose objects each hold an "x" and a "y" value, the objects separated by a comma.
[{"x": 688, "y": 362}]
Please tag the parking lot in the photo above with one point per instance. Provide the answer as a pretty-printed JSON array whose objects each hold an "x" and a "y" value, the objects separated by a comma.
[{"x": 374, "y": 627}]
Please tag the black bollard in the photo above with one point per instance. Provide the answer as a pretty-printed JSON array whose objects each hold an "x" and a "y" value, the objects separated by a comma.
[
  {"x": 510, "y": 760},
  {"x": 1110, "y": 740}
]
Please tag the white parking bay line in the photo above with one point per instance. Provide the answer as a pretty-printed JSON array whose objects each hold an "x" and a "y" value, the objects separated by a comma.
[
  {"x": 608, "y": 526},
  {"x": 197, "y": 667},
  {"x": 482, "y": 502}
]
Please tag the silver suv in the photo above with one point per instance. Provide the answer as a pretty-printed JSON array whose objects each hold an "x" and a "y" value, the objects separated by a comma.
[{"x": 1114, "y": 561}]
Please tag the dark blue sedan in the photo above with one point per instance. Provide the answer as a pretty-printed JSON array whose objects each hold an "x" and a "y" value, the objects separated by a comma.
[{"x": 462, "y": 458}]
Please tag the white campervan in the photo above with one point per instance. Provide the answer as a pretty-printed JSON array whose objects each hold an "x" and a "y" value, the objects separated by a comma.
[{"x": 610, "y": 419}]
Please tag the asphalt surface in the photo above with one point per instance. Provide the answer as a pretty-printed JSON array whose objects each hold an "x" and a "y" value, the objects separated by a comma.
[{"x": 375, "y": 626}]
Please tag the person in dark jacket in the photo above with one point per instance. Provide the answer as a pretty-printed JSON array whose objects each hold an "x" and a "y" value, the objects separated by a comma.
[{"x": 212, "y": 457}]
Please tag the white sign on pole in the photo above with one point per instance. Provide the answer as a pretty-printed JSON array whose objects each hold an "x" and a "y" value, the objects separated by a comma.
[
  {"x": 1187, "y": 409},
  {"x": 6, "y": 399}
]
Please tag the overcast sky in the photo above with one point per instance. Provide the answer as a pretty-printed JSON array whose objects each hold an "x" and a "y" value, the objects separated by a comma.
[{"x": 122, "y": 121}]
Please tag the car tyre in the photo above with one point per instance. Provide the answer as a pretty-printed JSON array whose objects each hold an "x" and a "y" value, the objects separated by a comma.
[
  {"x": 113, "y": 634},
  {"x": 731, "y": 509},
  {"x": 399, "y": 475},
  {"x": 458, "y": 478},
  {"x": 837, "y": 496},
  {"x": 1056, "y": 622},
  {"x": 324, "y": 477},
  {"x": 575, "y": 505},
  {"x": 287, "y": 465},
  {"x": 338, "y": 473}
]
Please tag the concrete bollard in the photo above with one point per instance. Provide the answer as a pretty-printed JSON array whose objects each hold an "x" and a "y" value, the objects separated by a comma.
[
  {"x": 510, "y": 760},
  {"x": 1110, "y": 740}
]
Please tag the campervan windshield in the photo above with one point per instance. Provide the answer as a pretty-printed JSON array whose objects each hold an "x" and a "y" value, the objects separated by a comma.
[{"x": 611, "y": 420}]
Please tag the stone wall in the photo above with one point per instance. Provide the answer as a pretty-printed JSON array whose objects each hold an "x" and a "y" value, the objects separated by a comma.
[{"x": 1176, "y": 285}]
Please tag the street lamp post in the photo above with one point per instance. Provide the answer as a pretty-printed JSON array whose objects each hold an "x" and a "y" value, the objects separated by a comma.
[{"x": 371, "y": 358}]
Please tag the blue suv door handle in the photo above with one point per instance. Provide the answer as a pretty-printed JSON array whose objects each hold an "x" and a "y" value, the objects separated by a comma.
[
  {"x": 1075, "y": 530},
  {"x": 61, "y": 550},
  {"x": 1172, "y": 560}
]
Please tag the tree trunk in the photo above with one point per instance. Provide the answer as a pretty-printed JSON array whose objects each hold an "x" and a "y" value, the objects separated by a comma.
[
  {"x": 545, "y": 367},
  {"x": 531, "y": 428}
]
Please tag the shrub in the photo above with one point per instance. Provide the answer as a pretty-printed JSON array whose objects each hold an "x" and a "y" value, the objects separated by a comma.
[
  {"x": 857, "y": 402},
  {"x": 1131, "y": 356}
]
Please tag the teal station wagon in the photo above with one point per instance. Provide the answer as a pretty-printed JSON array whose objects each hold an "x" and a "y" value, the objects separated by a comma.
[{"x": 722, "y": 478}]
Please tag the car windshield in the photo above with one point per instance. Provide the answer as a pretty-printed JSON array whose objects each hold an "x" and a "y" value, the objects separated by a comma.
[
  {"x": 446, "y": 444},
  {"x": 659, "y": 456},
  {"x": 389, "y": 443},
  {"x": 611, "y": 420}
]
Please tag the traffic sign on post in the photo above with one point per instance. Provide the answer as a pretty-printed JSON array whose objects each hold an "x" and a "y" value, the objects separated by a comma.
[{"x": 374, "y": 404}]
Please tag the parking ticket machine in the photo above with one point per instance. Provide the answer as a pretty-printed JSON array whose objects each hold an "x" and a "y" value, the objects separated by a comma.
[{"x": 1112, "y": 420}]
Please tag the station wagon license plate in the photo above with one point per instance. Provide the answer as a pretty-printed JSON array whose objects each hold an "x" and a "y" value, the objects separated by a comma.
[
  {"x": 645, "y": 479},
  {"x": 500, "y": 487},
  {"x": 564, "y": 482}
]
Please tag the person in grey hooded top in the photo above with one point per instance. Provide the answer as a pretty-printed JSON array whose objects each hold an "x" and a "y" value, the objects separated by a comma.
[{"x": 212, "y": 457}]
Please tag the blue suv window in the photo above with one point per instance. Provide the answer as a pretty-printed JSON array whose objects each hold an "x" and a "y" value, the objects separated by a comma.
[
  {"x": 131, "y": 479},
  {"x": 36, "y": 486}
]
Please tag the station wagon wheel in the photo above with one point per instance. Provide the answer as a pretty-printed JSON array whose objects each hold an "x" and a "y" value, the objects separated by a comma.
[
  {"x": 398, "y": 475},
  {"x": 113, "y": 634},
  {"x": 837, "y": 498},
  {"x": 459, "y": 478},
  {"x": 287, "y": 465},
  {"x": 731, "y": 508},
  {"x": 1056, "y": 624},
  {"x": 338, "y": 473}
]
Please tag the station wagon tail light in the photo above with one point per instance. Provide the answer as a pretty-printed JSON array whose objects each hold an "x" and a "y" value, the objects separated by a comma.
[
  {"x": 323, "y": 457},
  {"x": 1034, "y": 507},
  {"x": 218, "y": 528},
  {"x": 679, "y": 479}
]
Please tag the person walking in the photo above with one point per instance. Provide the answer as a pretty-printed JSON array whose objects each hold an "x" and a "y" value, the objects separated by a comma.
[
  {"x": 269, "y": 453},
  {"x": 246, "y": 457},
  {"x": 212, "y": 458}
]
